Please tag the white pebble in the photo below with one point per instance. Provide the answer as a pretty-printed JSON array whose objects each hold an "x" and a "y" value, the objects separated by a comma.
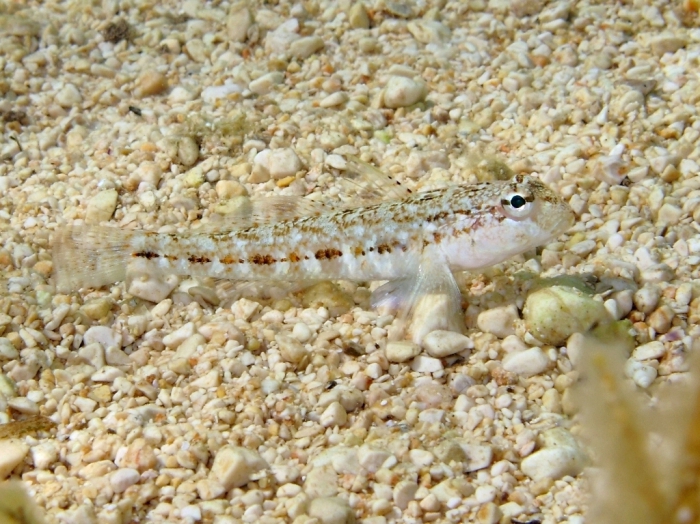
[
  {"x": 421, "y": 457},
  {"x": 23, "y": 405},
  {"x": 44, "y": 454},
  {"x": 526, "y": 363},
  {"x": 336, "y": 162},
  {"x": 499, "y": 321},
  {"x": 191, "y": 512},
  {"x": 233, "y": 466},
  {"x": 68, "y": 96},
  {"x": 102, "y": 334},
  {"x": 553, "y": 463},
  {"x": 7, "y": 350},
  {"x": 180, "y": 95},
  {"x": 107, "y": 374},
  {"x": 334, "y": 415},
  {"x": 442, "y": 343},
  {"x": 403, "y": 92},
  {"x": 264, "y": 84},
  {"x": 641, "y": 374},
  {"x": 404, "y": 492},
  {"x": 123, "y": 478},
  {"x": 372, "y": 458},
  {"x": 484, "y": 494},
  {"x": 423, "y": 364},
  {"x": 647, "y": 298},
  {"x": 177, "y": 337},
  {"x": 479, "y": 456},
  {"x": 213, "y": 93},
  {"x": 649, "y": 351},
  {"x": 211, "y": 379},
  {"x": 93, "y": 354},
  {"x": 143, "y": 284},
  {"x": 302, "y": 332},
  {"x": 244, "y": 309},
  {"x": 283, "y": 163}
]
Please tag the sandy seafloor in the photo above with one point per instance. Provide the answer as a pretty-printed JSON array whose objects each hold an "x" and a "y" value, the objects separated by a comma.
[{"x": 153, "y": 114}]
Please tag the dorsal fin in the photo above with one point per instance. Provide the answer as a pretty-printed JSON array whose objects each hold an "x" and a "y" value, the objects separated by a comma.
[{"x": 370, "y": 184}]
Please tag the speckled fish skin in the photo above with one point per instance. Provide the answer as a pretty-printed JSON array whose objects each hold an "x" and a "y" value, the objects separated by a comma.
[{"x": 468, "y": 227}]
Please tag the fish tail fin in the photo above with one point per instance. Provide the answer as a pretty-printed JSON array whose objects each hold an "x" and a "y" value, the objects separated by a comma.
[{"x": 90, "y": 256}]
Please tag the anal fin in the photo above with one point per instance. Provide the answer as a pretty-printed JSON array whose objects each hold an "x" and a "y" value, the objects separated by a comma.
[{"x": 429, "y": 302}]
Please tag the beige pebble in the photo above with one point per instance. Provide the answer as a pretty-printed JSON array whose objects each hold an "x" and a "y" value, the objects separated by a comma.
[
  {"x": 334, "y": 99},
  {"x": 331, "y": 510},
  {"x": 93, "y": 354},
  {"x": 429, "y": 31},
  {"x": 552, "y": 314},
  {"x": 265, "y": 83},
  {"x": 306, "y": 46},
  {"x": 194, "y": 177},
  {"x": 357, "y": 16},
  {"x": 152, "y": 83},
  {"x": 226, "y": 189},
  {"x": 499, "y": 321},
  {"x": 238, "y": 22},
  {"x": 44, "y": 268},
  {"x": 101, "y": 207},
  {"x": 489, "y": 513},
  {"x": 12, "y": 453},
  {"x": 661, "y": 319},
  {"x": 667, "y": 43},
  {"x": 197, "y": 50},
  {"x": 98, "y": 308},
  {"x": 187, "y": 151},
  {"x": 291, "y": 350},
  {"x": 234, "y": 466},
  {"x": 401, "y": 351},
  {"x": 321, "y": 481}
]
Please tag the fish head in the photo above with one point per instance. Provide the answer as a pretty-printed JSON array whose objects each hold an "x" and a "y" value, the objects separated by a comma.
[{"x": 511, "y": 218}]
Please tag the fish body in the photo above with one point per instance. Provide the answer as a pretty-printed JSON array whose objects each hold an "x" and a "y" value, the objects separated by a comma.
[
  {"x": 471, "y": 226},
  {"x": 419, "y": 240}
]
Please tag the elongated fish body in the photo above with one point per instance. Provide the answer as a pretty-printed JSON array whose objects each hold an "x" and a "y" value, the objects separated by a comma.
[{"x": 466, "y": 227}]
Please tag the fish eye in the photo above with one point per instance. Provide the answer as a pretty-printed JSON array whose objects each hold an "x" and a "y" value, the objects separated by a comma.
[
  {"x": 517, "y": 201},
  {"x": 518, "y": 205}
]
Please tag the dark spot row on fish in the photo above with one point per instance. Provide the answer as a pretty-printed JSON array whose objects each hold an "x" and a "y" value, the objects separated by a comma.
[{"x": 266, "y": 260}]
